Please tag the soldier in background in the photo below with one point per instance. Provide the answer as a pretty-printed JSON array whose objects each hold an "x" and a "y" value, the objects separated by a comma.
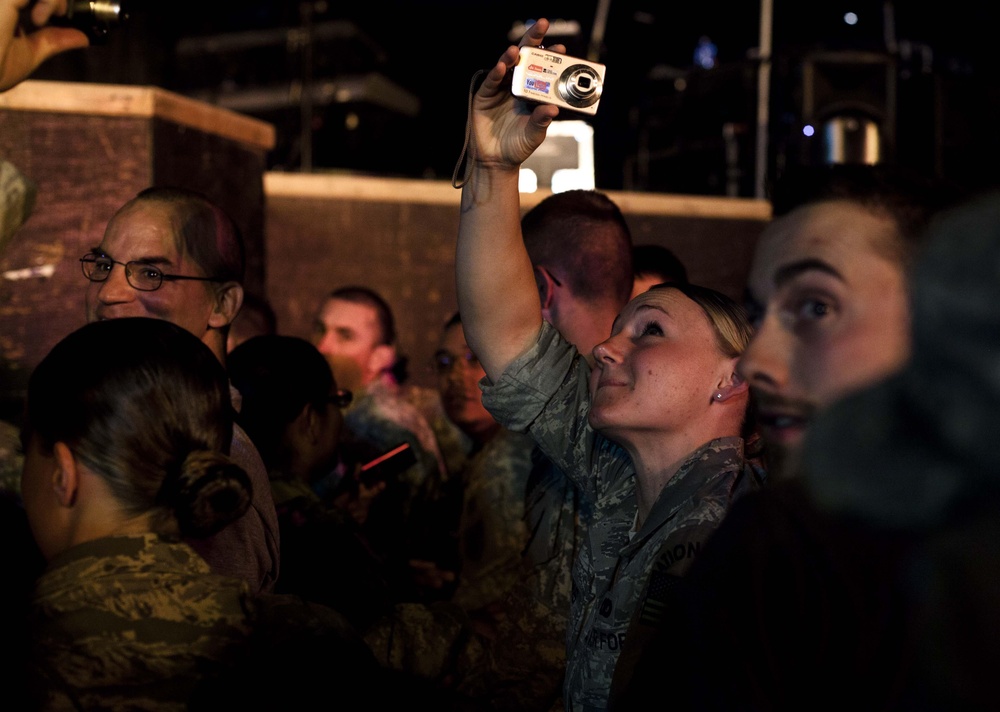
[
  {"x": 355, "y": 330},
  {"x": 655, "y": 264}
]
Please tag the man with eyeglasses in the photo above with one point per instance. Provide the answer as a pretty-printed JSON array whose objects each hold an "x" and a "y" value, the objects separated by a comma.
[{"x": 172, "y": 254}]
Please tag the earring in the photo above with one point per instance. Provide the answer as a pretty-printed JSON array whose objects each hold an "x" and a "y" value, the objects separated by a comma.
[{"x": 718, "y": 395}]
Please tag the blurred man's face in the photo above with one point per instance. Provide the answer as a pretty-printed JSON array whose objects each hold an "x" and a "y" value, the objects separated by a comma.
[
  {"x": 832, "y": 315},
  {"x": 348, "y": 334},
  {"x": 459, "y": 374}
]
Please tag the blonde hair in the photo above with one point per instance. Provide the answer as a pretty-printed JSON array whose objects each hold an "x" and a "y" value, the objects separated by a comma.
[{"x": 728, "y": 319}]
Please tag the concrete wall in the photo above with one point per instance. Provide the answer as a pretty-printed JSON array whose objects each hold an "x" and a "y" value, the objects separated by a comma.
[{"x": 398, "y": 237}]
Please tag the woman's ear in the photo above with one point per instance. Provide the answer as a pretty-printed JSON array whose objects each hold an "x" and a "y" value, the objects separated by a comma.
[
  {"x": 66, "y": 476},
  {"x": 730, "y": 386}
]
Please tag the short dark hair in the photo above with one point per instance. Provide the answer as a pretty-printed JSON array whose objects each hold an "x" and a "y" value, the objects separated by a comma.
[
  {"x": 585, "y": 235},
  {"x": 908, "y": 197},
  {"x": 146, "y": 405},
  {"x": 206, "y": 232},
  {"x": 383, "y": 314},
  {"x": 657, "y": 260},
  {"x": 369, "y": 297},
  {"x": 277, "y": 376}
]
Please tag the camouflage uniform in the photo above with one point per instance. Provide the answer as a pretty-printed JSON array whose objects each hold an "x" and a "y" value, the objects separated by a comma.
[
  {"x": 545, "y": 393},
  {"x": 528, "y": 662},
  {"x": 323, "y": 546},
  {"x": 115, "y": 618},
  {"x": 405, "y": 521},
  {"x": 491, "y": 531}
]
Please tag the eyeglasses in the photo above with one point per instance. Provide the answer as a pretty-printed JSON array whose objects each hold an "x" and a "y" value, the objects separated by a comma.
[
  {"x": 142, "y": 276},
  {"x": 444, "y": 361},
  {"x": 342, "y": 398}
]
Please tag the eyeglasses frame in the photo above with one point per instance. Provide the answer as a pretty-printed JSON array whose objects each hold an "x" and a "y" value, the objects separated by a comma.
[{"x": 91, "y": 258}]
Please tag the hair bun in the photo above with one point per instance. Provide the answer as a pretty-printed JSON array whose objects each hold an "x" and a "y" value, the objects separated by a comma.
[{"x": 212, "y": 491}]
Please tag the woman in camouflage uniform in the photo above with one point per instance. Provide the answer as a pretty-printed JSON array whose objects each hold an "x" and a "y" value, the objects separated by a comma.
[
  {"x": 127, "y": 422},
  {"x": 652, "y": 434}
]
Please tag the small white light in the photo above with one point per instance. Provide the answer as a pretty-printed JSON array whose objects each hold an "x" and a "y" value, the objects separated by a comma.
[
  {"x": 851, "y": 18},
  {"x": 808, "y": 130}
]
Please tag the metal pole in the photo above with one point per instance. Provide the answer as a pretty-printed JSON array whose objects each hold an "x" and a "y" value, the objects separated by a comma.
[
  {"x": 306, "y": 97},
  {"x": 763, "y": 95},
  {"x": 597, "y": 34}
]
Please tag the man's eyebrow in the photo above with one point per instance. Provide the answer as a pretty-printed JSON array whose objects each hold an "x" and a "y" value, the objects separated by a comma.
[
  {"x": 154, "y": 260},
  {"x": 794, "y": 269}
]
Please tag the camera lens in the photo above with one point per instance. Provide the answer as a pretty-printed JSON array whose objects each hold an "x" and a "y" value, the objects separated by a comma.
[
  {"x": 95, "y": 18},
  {"x": 579, "y": 86}
]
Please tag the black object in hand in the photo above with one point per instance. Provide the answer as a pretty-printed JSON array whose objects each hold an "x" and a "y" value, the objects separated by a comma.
[{"x": 95, "y": 18}]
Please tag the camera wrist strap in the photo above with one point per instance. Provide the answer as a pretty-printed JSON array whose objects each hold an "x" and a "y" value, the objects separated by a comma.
[{"x": 465, "y": 157}]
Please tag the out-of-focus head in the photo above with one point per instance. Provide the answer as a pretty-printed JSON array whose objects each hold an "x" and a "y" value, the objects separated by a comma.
[
  {"x": 670, "y": 367},
  {"x": 255, "y": 318},
  {"x": 290, "y": 402},
  {"x": 458, "y": 373},
  {"x": 174, "y": 232},
  {"x": 145, "y": 407},
  {"x": 356, "y": 331},
  {"x": 828, "y": 291},
  {"x": 655, "y": 264},
  {"x": 582, "y": 240},
  {"x": 913, "y": 451}
]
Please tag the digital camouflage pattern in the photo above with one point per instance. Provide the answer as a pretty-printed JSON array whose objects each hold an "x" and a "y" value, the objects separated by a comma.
[
  {"x": 491, "y": 529},
  {"x": 432, "y": 642},
  {"x": 545, "y": 392},
  {"x": 526, "y": 669},
  {"x": 132, "y": 622}
]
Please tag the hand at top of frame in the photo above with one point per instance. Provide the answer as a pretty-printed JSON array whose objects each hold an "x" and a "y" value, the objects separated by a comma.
[
  {"x": 507, "y": 130},
  {"x": 22, "y": 53}
]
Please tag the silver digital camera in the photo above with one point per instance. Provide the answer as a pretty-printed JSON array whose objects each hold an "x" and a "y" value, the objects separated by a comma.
[{"x": 553, "y": 78}]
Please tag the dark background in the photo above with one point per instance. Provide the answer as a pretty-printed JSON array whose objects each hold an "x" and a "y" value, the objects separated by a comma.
[{"x": 391, "y": 80}]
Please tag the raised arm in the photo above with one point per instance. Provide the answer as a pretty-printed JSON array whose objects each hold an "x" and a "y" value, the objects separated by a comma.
[
  {"x": 20, "y": 53},
  {"x": 497, "y": 294}
]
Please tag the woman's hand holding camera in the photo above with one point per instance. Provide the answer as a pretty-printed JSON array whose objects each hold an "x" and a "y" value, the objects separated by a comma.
[{"x": 507, "y": 130}]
